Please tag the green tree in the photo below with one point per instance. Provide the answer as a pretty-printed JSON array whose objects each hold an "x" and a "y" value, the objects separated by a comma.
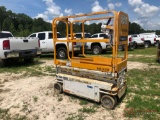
[
  {"x": 40, "y": 25},
  {"x": 20, "y": 32},
  {"x": 135, "y": 28},
  {"x": 158, "y": 32},
  {"x": 2, "y": 15},
  {"x": 61, "y": 27},
  {"x": 26, "y": 32},
  {"x": 6, "y": 24},
  {"x": 12, "y": 29}
]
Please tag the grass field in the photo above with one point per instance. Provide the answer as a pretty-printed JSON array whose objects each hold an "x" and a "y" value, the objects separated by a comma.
[{"x": 143, "y": 93}]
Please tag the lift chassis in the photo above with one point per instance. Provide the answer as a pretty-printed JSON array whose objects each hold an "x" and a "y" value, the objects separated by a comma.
[
  {"x": 101, "y": 79},
  {"x": 98, "y": 90}
]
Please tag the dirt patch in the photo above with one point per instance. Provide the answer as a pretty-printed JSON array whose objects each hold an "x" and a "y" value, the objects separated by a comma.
[
  {"x": 140, "y": 66},
  {"x": 136, "y": 65},
  {"x": 135, "y": 55},
  {"x": 34, "y": 98},
  {"x": 5, "y": 77},
  {"x": 47, "y": 63},
  {"x": 4, "y": 90}
]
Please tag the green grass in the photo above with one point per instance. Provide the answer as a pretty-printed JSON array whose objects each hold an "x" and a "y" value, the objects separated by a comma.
[
  {"x": 143, "y": 93},
  {"x": 88, "y": 109},
  {"x": 47, "y": 56},
  {"x": 145, "y": 82},
  {"x": 27, "y": 71},
  {"x": 60, "y": 98},
  {"x": 33, "y": 69},
  {"x": 143, "y": 59},
  {"x": 5, "y": 115},
  {"x": 145, "y": 51},
  {"x": 49, "y": 69},
  {"x": 75, "y": 117},
  {"x": 83, "y": 102},
  {"x": 35, "y": 98}
]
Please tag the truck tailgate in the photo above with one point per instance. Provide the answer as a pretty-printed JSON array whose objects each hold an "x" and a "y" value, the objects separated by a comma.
[{"x": 23, "y": 43}]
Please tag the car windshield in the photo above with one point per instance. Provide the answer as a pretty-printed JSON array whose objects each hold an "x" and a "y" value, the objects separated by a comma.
[
  {"x": 79, "y": 35},
  {"x": 59, "y": 35},
  {"x": 51, "y": 35},
  {"x": 5, "y": 35},
  {"x": 87, "y": 35},
  {"x": 103, "y": 35}
]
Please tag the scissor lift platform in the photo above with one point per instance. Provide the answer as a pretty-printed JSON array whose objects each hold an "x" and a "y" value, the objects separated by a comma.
[{"x": 98, "y": 78}]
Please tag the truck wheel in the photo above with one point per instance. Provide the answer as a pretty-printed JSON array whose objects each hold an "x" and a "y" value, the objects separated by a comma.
[
  {"x": 120, "y": 48},
  {"x": 62, "y": 53},
  {"x": 107, "y": 102},
  {"x": 131, "y": 47},
  {"x": 156, "y": 44},
  {"x": 134, "y": 45},
  {"x": 147, "y": 44},
  {"x": 29, "y": 60},
  {"x": 96, "y": 50},
  {"x": 115, "y": 99},
  {"x": 76, "y": 54},
  {"x": 57, "y": 88},
  {"x": 158, "y": 59},
  {"x": 2, "y": 63}
]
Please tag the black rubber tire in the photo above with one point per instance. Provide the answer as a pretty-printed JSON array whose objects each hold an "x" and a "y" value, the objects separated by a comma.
[
  {"x": 143, "y": 46},
  {"x": 135, "y": 45},
  {"x": 2, "y": 63},
  {"x": 108, "y": 102},
  {"x": 158, "y": 59},
  {"x": 131, "y": 47},
  {"x": 156, "y": 44},
  {"x": 115, "y": 99},
  {"x": 96, "y": 50},
  {"x": 120, "y": 48},
  {"x": 62, "y": 53},
  {"x": 103, "y": 51},
  {"x": 76, "y": 54},
  {"x": 29, "y": 60},
  {"x": 57, "y": 88},
  {"x": 147, "y": 44}
]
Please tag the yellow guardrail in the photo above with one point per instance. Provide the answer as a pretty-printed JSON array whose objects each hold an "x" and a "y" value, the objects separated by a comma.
[{"x": 119, "y": 28}]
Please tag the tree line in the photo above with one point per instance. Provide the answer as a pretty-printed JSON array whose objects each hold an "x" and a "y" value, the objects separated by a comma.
[{"x": 22, "y": 25}]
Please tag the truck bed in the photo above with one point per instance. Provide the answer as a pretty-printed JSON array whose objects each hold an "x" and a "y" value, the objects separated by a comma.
[{"x": 23, "y": 43}]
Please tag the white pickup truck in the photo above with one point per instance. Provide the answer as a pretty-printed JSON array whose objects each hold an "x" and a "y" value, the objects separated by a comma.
[
  {"x": 130, "y": 45},
  {"x": 149, "y": 39},
  {"x": 17, "y": 48},
  {"x": 46, "y": 44},
  {"x": 157, "y": 40},
  {"x": 137, "y": 40},
  {"x": 98, "y": 47}
]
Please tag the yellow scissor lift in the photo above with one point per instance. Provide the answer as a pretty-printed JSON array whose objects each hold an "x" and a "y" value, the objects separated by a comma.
[{"x": 98, "y": 78}]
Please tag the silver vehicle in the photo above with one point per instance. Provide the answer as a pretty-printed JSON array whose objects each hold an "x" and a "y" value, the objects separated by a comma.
[
  {"x": 46, "y": 41},
  {"x": 18, "y": 47}
]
